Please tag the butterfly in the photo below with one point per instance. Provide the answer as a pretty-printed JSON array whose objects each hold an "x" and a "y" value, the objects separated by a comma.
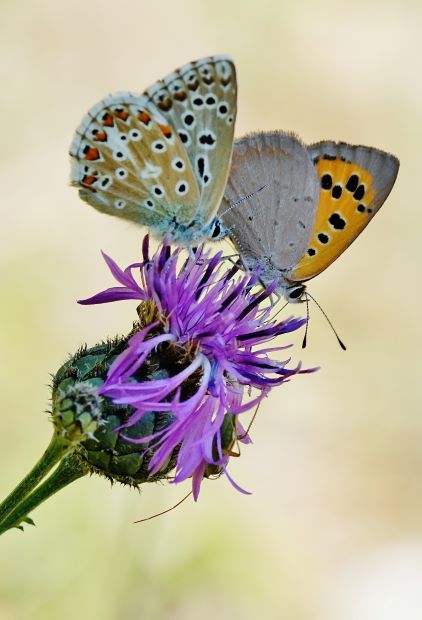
[
  {"x": 161, "y": 159},
  {"x": 314, "y": 202}
]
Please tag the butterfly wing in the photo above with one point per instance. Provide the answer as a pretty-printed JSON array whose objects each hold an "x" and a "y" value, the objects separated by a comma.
[
  {"x": 354, "y": 183},
  {"x": 199, "y": 101},
  {"x": 128, "y": 162},
  {"x": 272, "y": 227}
]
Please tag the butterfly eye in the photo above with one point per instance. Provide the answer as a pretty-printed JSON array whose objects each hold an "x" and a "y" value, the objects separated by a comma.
[
  {"x": 295, "y": 293},
  {"x": 217, "y": 230}
]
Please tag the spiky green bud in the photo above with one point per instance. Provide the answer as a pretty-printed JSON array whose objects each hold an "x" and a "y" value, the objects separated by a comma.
[
  {"x": 92, "y": 421},
  {"x": 77, "y": 409}
]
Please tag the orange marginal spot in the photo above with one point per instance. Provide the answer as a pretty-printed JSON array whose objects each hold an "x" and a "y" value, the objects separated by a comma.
[
  {"x": 352, "y": 208},
  {"x": 165, "y": 105},
  {"x": 193, "y": 85},
  {"x": 180, "y": 96},
  {"x": 107, "y": 120},
  {"x": 89, "y": 180},
  {"x": 225, "y": 81},
  {"x": 144, "y": 117},
  {"x": 208, "y": 80},
  {"x": 122, "y": 114},
  {"x": 87, "y": 183},
  {"x": 91, "y": 153},
  {"x": 100, "y": 136},
  {"x": 166, "y": 130}
]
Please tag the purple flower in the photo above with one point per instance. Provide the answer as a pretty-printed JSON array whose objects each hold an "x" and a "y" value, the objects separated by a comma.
[{"x": 220, "y": 327}]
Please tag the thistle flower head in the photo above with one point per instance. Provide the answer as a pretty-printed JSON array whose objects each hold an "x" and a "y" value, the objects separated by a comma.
[{"x": 210, "y": 330}]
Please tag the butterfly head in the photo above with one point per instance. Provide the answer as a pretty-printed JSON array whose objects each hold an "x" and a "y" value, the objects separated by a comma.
[
  {"x": 295, "y": 293},
  {"x": 216, "y": 229}
]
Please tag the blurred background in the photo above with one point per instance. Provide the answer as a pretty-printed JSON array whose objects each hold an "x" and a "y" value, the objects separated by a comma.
[{"x": 333, "y": 528}]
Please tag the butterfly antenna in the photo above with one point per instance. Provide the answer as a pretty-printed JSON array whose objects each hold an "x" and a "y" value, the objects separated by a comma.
[
  {"x": 159, "y": 514},
  {"x": 281, "y": 309},
  {"x": 239, "y": 202},
  {"x": 341, "y": 343},
  {"x": 305, "y": 337}
]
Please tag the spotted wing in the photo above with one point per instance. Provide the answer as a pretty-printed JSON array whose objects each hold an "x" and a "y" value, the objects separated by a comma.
[
  {"x": 271, "y": 227},
  {"x": 199, "y": 101},
  {"x": 354, "y": 183},
  {"x": 127, "y": 161}
]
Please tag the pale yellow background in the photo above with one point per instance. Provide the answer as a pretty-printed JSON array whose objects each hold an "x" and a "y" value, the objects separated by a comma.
[{"x": 333, "y": 529}]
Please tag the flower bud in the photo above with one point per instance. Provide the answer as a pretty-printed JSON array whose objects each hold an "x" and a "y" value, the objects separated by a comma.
[
  {"x": 93, "y": 422},
  {"x": 76, "y": 409}
]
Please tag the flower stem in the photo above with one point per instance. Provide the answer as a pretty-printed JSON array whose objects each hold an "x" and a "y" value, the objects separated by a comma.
[
  {"x": 57, "y": 448},
  {"x": 69, "y": 470}
]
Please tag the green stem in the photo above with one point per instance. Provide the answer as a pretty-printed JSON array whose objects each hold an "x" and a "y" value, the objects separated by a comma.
[
  {"x": 57, "y": 448},
  {"x": 69, "y": 470}
]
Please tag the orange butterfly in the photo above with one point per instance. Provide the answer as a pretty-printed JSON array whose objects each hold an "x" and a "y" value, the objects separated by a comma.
[{"x": 316, "y": 200}]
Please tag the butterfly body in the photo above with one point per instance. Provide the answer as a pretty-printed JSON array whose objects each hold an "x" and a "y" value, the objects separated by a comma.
[
  {"x": 161, "y": 159},
  {"x": 317, "y": 199}
]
